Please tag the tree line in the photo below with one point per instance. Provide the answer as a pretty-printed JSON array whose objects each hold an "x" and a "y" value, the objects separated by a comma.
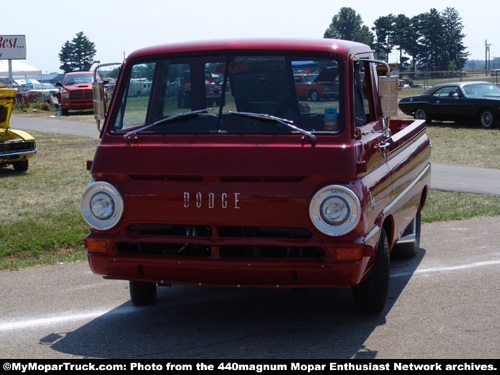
[{"x": 433, "y": 40}]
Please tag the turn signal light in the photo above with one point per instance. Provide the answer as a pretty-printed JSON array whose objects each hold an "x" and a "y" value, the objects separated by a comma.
[
  {"x": 351, "y": 253},
  {"x": 96, "y": 246}
]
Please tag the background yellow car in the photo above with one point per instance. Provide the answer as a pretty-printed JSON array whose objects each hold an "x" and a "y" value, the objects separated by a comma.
[{"x": 16, "y": 146}]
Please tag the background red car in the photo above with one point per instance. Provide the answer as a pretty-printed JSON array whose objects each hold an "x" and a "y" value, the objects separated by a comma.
[
  {"x": 76, "y": 91},
  {"x": 315, "y": 87}
]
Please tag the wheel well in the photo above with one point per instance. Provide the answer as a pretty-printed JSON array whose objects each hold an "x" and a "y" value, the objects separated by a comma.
[
  {"x": 423, "y": 197},
  {"x": 388, "y": 224},
  {"x": 388, "y": 227}
]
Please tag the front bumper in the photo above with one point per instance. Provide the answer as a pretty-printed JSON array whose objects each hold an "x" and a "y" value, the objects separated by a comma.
[
  {"x": 269, "y": 263},
  {"x": 229, "y": 274},
  {"x": 16, "y": 150}
]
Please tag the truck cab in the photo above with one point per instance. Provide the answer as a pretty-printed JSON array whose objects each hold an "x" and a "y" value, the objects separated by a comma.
[{"x": 261, "y": 188}]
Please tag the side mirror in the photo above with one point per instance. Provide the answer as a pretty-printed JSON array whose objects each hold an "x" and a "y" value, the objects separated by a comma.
[
  {"x": 387, "y": 87},
  {"x": 388, "y": 91},
  {"x": 99, "y": 96},
  {"x": 99, "y": 103}
]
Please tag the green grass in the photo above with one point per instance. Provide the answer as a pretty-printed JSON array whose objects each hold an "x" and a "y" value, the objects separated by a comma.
[
  {"x": 41, "y": 219},
  {"x": 445, "y": 206}
]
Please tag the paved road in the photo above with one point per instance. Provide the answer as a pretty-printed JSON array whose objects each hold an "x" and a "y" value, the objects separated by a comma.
[
  {"x": 444, "y": 177},
  {"x": 465, "y": 179},
  {"x": 442, "y": 304},
  {"x": 55, "y": 126}
]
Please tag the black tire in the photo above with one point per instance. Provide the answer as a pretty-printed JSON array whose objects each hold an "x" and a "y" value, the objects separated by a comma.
[
  {"x": 421, "y": 114},
  {"x": 371, "y": 295},
  {"x": 21, "y": 166},
  {"x": 410, "y": 249},
  {"x": 487, "y": 119},
  {"x": 313, "y": 95},
  {"x": 141, "y": 293}
]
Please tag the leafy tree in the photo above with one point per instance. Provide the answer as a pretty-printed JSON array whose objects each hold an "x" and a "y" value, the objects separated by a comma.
[
  {"x": 364, "y": 35},
  {"x": 348, "y": 25},
  {"x": 77, "y": 55}
]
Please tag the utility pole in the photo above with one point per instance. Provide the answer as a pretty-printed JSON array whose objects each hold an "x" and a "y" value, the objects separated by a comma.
[{"x": 486, "y": 57}]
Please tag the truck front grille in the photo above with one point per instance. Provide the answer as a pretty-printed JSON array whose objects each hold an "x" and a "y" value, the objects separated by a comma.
[
  {"x": 17, "y": 145},
  {"x": 81, "y": 94},
  {"x": 220, "y": 242}
]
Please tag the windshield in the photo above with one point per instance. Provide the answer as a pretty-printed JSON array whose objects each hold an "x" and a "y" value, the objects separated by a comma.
[
  {"x": 45, "y": 86},
  {"x": 78, "y": 78},
  {"x": 226, "y": 92}
]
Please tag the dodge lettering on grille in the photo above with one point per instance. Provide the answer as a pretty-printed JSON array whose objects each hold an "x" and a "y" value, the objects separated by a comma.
[{"x": 211, "y": 200}]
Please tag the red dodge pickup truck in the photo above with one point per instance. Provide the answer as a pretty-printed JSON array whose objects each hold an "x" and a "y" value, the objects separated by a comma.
[
  {"x": 262, "y": 188},
  {"x": 76, "y": 91}
]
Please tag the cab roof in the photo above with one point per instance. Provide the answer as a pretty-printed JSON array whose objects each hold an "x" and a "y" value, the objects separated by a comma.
[{"x": 341, "y": 48}]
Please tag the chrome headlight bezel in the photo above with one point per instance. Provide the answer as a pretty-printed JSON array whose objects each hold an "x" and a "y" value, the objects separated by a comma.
[
  {"x": 104, "y": 197},
  {"x": 348, "y": 203}
]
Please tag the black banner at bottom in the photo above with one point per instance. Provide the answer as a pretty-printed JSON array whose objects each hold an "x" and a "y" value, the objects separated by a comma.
[{"x": 246, "y": 366}]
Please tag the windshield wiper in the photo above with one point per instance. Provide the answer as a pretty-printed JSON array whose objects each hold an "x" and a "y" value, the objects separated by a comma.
[
  {"x": 173, "y": 118},
  {"x": 275, "y": 119}
]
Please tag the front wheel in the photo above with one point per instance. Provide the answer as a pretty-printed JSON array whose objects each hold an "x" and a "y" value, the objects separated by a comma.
[
  {"x": 313, "y": 95},
  {"x": 421, "y": 114},
  {"x": 371, "y": 295},
  {"x": 141, "y": 293},
  {"x": 21, "y": 166},
  {"x": 487, "y": 119}
]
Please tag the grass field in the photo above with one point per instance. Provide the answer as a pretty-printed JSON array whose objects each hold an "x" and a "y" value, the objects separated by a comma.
[
  {"x": 40, "y": 209},
  {"x": 41, "y": 221}
]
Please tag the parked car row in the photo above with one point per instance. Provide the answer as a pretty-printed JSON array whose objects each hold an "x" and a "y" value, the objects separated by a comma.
[
  {"x": 36, "y": 92},
  {"x": 74, "y": 92}
]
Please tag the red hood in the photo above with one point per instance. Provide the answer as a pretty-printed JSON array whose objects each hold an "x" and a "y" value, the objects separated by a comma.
[{"x": 78, "y": 86}]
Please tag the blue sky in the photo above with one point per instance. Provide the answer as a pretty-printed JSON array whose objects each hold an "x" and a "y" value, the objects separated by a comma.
[{"x": 119, "y": 27}]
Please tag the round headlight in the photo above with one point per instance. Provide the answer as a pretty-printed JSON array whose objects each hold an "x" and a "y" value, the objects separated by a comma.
[
  {"x": 335, "y": 210},
  {"x": 101, "y": 205}
]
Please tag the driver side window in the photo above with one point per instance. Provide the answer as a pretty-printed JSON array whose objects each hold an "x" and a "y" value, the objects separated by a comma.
[{"x": 447, "y": 92}]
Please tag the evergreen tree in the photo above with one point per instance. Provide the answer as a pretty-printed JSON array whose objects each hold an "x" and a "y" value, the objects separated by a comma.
[
  {"x": 405, "y": 37},
  {"x": 77, "y": 55},
  {"x": 384, "y": 31},
  {"x": 432, "y": 42},
  {"x": 453, "y": 37}
]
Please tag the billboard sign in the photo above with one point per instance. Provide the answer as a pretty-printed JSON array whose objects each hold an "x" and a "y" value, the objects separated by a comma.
[{"x": 12, "y": 47}]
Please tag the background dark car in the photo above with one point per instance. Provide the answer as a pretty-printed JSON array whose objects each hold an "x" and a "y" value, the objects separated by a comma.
[{"x": 456, "y": 101}]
